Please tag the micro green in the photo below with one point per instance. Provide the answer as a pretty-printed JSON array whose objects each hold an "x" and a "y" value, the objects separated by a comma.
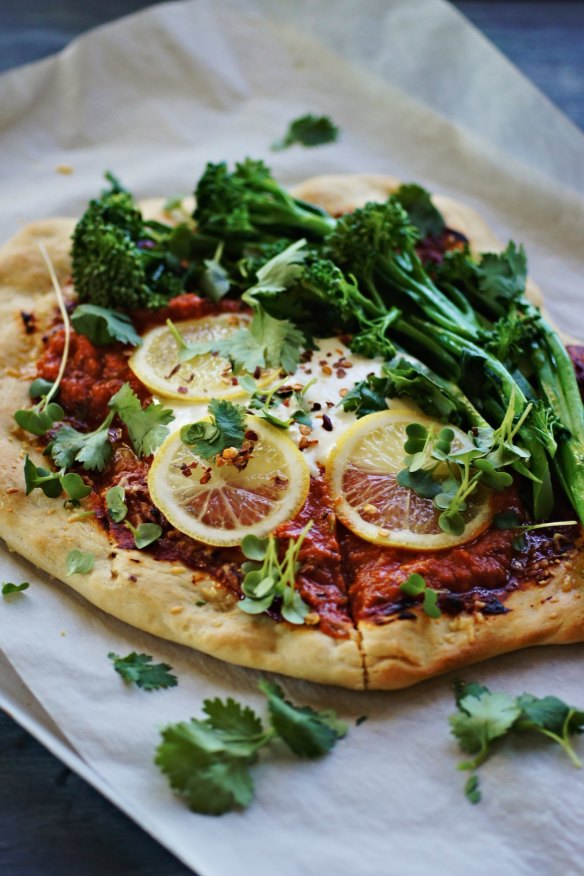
[{"x": 268, "y": 578}]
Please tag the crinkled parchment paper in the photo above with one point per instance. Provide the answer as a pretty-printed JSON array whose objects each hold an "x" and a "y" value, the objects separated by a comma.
[{"x": 418, "y": 94}]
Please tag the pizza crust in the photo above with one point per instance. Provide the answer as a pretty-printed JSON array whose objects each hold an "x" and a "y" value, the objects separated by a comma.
[{"x": 191, "y": 608}]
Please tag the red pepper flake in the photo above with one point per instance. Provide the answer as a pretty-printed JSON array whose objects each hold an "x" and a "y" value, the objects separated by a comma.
[
  {"x": 182, "y": 389},
  {"x": 172, "y": 372},
  {"x": 186, "y": 471},
  {"x": 257, "y": 373},
  {"x": 206, "y": 477},
  {"x": 251, "y": 435},
  {"x": 327, "y": 423},
  {"x": 28, "y": 320},
  {"x": 341, "y": 372},
  {"x": 316, "y": 406}
]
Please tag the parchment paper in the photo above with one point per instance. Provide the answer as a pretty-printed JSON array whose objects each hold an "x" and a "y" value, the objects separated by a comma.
[{"x": 154, "y": 97}]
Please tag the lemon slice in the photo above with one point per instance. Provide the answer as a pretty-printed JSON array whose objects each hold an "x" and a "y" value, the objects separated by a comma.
[
  {"x": 361, "y": 474},
  {"x": 156, "y": 363},
  {"x": 220, "y": 505}
]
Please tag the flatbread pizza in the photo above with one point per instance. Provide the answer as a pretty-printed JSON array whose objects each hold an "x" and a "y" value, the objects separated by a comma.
[{"x": 242, "y": 432}]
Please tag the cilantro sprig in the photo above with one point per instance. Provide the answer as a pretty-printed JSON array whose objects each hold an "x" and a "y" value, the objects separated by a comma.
[
  {"x": 266, "y": 343},
  {"x": 484, "y": 717},
  {"x": 225, "y": 428},
  {"x": 104, "y": 326},
  {"x": 147, "y": 427},
  {"x": 139, "y": 669},
  {"x": 207, "y": 761},
  {"x": 267, "y": 578},
  {"x": 263, "y": 403}
]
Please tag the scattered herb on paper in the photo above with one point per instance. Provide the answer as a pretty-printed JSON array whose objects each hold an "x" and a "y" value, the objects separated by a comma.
[
  {"x": 139, "y": 669},
  {"x": 308, "y": 130},
  {"x": 484, "y": 717},
  {"x": 9, "y": 589},
  {"x": 207, "y": 761}
]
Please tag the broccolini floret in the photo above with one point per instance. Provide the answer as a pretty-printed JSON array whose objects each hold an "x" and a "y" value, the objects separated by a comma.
[
  {"x": 248, "y": 204},
  {"x": 120, "y": 262}
]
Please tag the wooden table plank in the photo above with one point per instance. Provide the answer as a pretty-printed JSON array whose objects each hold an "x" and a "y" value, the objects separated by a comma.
[{"x": 52, "y": 822}]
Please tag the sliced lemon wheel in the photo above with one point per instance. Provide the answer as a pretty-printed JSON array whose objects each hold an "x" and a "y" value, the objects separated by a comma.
[
  {"x": 219, "y": 504},
  {"x": 361, "y": 474},
  {"x": 156, "y": 363}
]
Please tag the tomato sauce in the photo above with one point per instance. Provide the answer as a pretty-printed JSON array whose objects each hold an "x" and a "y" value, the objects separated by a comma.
[{"x": 341, "y": 577}]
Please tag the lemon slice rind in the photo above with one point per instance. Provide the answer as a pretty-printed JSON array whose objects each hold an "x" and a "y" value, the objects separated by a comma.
[
  {"x": 232, "y": 504},
  {"x": 156, "y": 362},
  {"x": 359, "y": 474}
]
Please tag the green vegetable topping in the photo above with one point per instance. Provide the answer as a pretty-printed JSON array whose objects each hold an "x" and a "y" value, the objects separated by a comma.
[
  {"x": 248, "y": 203},
  {"x": 116, "y": 505},
  {"x": 308, "y": 130},
  {"x": 226, "y": 428},
  {"x": 79, "y": 563},
  {"x": 9, "y": 589},
  {"x": 422, "y": 213},
  {"x": 52, "y": 483},
  {"x": 207, "y": 761},
  {"x": 138, "y": 669},
  {"x": 267, "y": 578},
  {"x": 144, "y": 534},
  {"x": 483, "y": 717},
  {"x": 92, "y": 449},
  {"x": 103, "y": 326},
  {"x": 147, "y": 427},
  {"x": 121, "y": 261},
  {"x": 415, "y": 585}
]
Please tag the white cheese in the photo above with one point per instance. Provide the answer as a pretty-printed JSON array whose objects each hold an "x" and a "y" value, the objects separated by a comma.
[{"x": 336, "y": 370}]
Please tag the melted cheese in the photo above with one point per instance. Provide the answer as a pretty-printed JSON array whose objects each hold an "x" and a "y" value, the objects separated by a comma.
[{"x": 336, "y": 370}]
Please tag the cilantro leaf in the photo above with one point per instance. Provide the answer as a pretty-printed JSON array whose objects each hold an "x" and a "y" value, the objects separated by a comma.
[
  {"x": 147, "y": 427},
  {"x": 203, "y": 769},
  {"x": 207, "y": 761},
  {"x": 266, "y": 343},
  {"x": 9, "y": 589},
  {"x": 138, "y": 669},
  {"x": 367, "y": 396},
  {"x": 232, "y": 719},
  {"x": 502, "y": 277},
  {"x": 226, "y": 429},
  {"x": 553, "y": 718},
  {"x": 79, "y": 563},
  {"x": 92, "y": 449},
  {"x": 308, "y": 130},
  {"x": 103, "y": 326},
  {"x": 464, "y": 689},
  {"x": 115, "y": 502},
  {"x": 422, "y": 213},
  {"x": 480, "y": 720},
  {"x": 306, "y": 732}
]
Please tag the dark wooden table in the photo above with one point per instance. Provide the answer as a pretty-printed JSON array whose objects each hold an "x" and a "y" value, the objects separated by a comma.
[{"x": 52, "y": 823}]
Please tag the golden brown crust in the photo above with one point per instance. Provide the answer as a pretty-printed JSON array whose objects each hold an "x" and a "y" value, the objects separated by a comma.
[
  {"x": 170, "y": 600},
  {"x": 165, "y": 599}
]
